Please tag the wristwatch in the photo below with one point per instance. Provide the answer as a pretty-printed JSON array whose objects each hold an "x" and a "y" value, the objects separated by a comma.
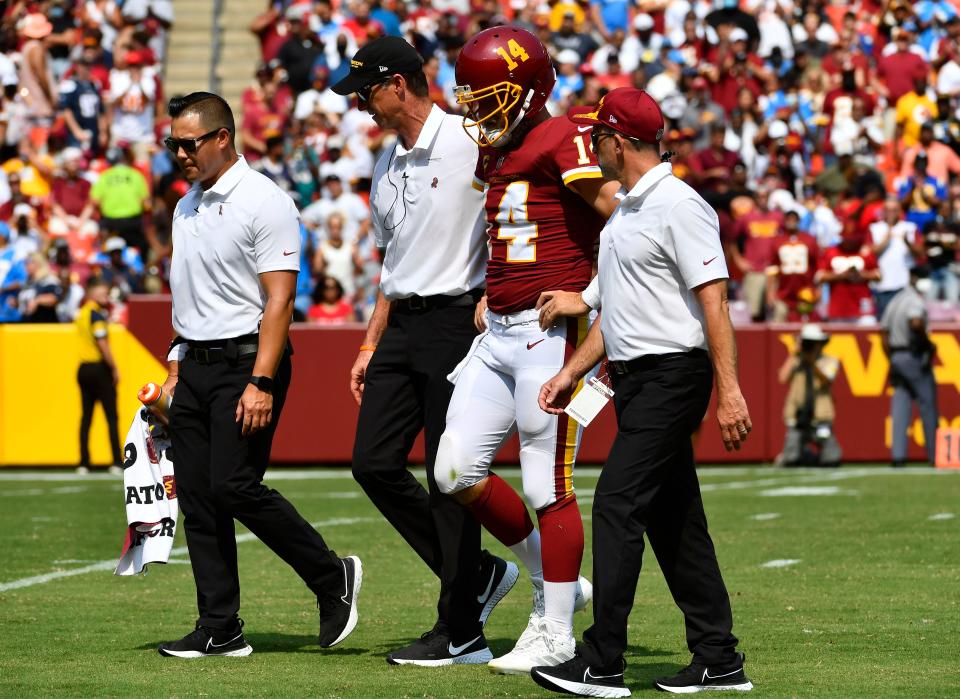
[{"x": 264, "y": 383}]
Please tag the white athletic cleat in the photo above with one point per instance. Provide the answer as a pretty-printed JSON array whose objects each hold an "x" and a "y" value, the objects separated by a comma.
[{"x": 535, "y": 649}]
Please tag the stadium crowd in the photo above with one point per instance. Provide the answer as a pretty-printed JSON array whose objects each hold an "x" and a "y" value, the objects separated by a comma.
[{"x": 825, "y": 133}]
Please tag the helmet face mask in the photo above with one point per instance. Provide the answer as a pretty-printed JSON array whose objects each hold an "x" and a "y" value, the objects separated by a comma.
[
  {"x": 489, "y": 110},
  {"x": 503, "y": 74}
]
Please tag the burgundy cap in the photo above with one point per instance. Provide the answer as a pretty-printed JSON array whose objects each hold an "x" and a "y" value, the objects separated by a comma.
[{"x": 629, "y": 111}]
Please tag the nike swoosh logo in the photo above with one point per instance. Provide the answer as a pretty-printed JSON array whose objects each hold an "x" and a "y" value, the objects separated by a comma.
[
  {"x": 482, "y": 599},
  {"x": 457, "y": 650},
  {"x": 584, "y": 128},
  {"x": 587, "y": 675},
  {"x": 706, "y": 262},
  {"x": 708, "y": 676},
  {"x": 346, "y": 586},
  {"x": 531, "y": 345},
  {"x": 211, "y": 644},
  {"x": 285, "y": 253}
]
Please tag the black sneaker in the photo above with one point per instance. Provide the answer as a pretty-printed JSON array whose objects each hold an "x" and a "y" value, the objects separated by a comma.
[
  {"x": 203, "y": 641},
  {"x": 497, "y": 578},
  {"x": 435, "y": 649},
  {"x": 338, "y": 613},
  {"x": 577, "y": 677},
  {"x": 697, "y": 678}
]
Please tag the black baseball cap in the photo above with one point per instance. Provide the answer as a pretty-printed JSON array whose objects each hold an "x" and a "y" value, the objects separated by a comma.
[{"x": 379, "y": 59}]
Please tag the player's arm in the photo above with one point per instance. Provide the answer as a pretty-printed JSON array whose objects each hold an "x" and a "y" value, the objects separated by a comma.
[
  {"x": 598, "y": 193},
  {"x": 375, "y": 329}
]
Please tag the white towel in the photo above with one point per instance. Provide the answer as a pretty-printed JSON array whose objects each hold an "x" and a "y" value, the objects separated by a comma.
[{"x": 150, "y": 494}]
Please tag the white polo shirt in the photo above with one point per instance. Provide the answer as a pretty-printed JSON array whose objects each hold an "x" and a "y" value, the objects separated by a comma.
[
  {"x": 662, "y": 241},
  {"x": 427, "y": 215},
  {"x": 223, "y": 238}
]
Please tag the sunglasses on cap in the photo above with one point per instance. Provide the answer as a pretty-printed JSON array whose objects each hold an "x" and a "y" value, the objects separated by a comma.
[{"x": 189, "y": 145}]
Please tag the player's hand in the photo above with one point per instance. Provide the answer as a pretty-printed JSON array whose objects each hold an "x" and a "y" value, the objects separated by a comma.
[
  {"x": 115, "y": 374},
  {"x": 254, "y": 410},
  {"x": 554, "y": 304},
  {"x": 358, "y": 374},
  {"x": 733, "y": 418},
  {"x": 556, "y": 393},
  {"x": 480, "y": 315}
]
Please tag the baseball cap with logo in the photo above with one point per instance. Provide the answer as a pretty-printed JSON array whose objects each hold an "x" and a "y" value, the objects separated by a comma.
[
  {"x": 628, "y": 111},
  {"x": 376, "y": 60}
]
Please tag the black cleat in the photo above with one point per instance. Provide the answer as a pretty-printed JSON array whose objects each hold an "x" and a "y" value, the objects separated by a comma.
[
  {"x": 497, "y": 578},
  {"x": 203, "y": 641},
  {"x": 698, "y": 678},
  {"x": 435, "y": 649},
  {"x": 577, "y": 677},
  {"x": 338, "y": 612}
]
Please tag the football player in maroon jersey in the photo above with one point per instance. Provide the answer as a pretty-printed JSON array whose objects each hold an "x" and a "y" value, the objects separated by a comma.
[{"x": 546, "y": 202}]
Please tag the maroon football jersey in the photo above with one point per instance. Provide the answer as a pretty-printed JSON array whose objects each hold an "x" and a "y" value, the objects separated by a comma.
[
  {"x": 796, "y": 263},
  {"x": 541, "y": 232}
]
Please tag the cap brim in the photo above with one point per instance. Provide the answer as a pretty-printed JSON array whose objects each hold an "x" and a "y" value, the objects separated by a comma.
[
  {"x": 584, "y": 115},
  {"x": 354, "y": 82}
]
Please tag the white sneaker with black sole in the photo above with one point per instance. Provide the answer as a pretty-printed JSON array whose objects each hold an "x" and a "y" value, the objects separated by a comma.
[
  {"x": 204, "y": 641},
  {"x": 539, "y": 648},
  {"x": 338, "y": 612},
  {"x": 436, "y": 649}
]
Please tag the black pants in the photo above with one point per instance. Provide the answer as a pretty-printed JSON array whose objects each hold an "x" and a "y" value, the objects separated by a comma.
[
  {"x": 649, "y": 485},
  {"x": 406, "y": 390},
  {"x": 219, "y": 474},
  {"x": 130, "y": 229},
  {"x": 96, "y": 386}
]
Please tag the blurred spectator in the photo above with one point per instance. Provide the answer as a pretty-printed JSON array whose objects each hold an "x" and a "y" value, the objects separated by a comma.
[
  {"x": 320, "y": 99},
  {"x": 791, "y": 292},
  {"x": 329, "y": 307},
  {"x": 37, "y": 83},
  {"x": 920, "y": 193},
  {"x": 942, "y": 160},
  {"x": 907, "y": 342},
  {"x": 41, "y": 292},
  {"x": 914, "y": 109},
  {"x": 569, "y": 79},
  {"x": 133, "y": 99},
  {"x": 847, "y": 269},
  {"x": 900, "y": 69},
  {"x": 82, "y": 108},
  {"x": 122, "y": 196},
  {"x": 122, "y": 268},
  {"x": 362, "y": 26},
  {"x": 567, "y": 37},
  {"x": 26, "y": 237},
  {"x": 265, "y": 104},
  {"x": 13, "y": 276},
  {"x": 609, "y": 16},
  {"x": 751, "y": 250},
  {"x": 895, "y": 243},
  {"x": 71, "y": 281},
  {"x": 301, "y": 51},
  {"x": 274, "y": 165},
  {"x": 712, "y": 167},
  {"x": 940, "y": 243},
  {"x": 808, "y": 410},
  {"x": 352, "y": 209},
  {"x": 71, "y": 208},
  {"x": 337, "y": 258}
]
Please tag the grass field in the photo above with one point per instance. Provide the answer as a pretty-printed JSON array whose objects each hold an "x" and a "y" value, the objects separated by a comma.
[{"x": 861, "y": 599}]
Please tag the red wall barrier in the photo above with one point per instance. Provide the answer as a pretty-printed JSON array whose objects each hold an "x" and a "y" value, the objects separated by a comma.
[{"x": 319, "y": 419}]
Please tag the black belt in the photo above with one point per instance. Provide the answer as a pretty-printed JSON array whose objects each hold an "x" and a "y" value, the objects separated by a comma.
[
  {"x": 213, "y": 351},
  {"x": 417, "y": 304},
  {"x": 648, "y": 361}
]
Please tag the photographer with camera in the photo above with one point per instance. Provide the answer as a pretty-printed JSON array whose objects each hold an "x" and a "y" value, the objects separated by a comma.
[
  {"x": 906, "y": 341},
  {"x": 808, "y": 410}
]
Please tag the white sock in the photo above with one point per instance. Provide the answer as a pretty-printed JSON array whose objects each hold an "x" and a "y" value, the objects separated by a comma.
[
  {"x": 559, "y": 598},
  {"x": 528, "y": 551}
]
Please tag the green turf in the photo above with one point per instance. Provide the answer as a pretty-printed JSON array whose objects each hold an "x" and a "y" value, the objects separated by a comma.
[{"x": 871, "y": 609}]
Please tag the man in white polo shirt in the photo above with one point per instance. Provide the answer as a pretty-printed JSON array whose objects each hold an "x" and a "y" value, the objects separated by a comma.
[
  {"x": 428, "y": 218},
  {"x": 236, "y": 253},
  {"x": 662, "y": 289}
]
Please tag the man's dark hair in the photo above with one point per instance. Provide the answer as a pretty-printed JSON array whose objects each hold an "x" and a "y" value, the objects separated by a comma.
[
  {"x": 94, "y": 282},
  {"x": 417, "y": 83},
  {"x": 213, "y": 110}
]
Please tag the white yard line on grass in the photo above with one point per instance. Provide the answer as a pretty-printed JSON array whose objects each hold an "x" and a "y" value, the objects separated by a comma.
[
  {"x": 800, "y": 490},
  {"x": 941, "y": 516},
  {"x": 25, "y": 492},
  {"x": 780, "y": 563},
  {"x": 765, "y": 516},
  {"x": 111, "y": 564}
]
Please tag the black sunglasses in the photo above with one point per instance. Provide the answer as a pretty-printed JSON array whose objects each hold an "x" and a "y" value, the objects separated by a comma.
[
  {"x": 596, "y": 135},
  {"x": 365, "y": 92},
  {"x": 189, "y": 145}
]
